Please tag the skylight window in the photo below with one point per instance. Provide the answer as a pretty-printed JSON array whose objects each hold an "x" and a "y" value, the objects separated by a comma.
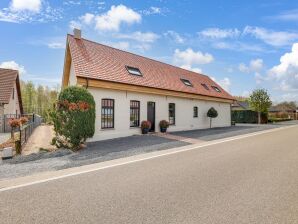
[
  {"x": 186, "y": 82},
  {"x": 205, "y": 86},
  {"x": 216, "y": 89},
  {"x": 133, "y": 71}
]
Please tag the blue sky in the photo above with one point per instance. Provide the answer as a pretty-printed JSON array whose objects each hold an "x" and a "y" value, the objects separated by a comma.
[{"x": 243, "y": 45}]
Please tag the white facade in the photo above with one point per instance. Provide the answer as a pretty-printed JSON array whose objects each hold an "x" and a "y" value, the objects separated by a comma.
[{"x": 183, "y": 113}]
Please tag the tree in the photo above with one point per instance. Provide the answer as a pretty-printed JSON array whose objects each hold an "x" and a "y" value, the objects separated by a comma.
[
  {"x": 260, "y": 102},
  {"x": 38, "y": 100},
  {"x": 212, "y": 113},
  {"x": 73, "y": 117}
]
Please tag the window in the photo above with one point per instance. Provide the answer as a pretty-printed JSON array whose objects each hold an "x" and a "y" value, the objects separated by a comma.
[
  {"x": 171, "y": 113},
  {"x": 107, "y": 113},
  {"x": 216, "y": 89},
  {"x": 195, "y": 111},
  {"x": 186, "y": 82},
  {"x": 205, "y": 86},
  {"x": 134, "y": 113},
  {"x": 133, "y": 71},
  {"x": 13, "y": 93}
]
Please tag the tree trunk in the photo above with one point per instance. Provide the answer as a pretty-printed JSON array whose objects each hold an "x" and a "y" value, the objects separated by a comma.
[
  {"x": 259, "y": 117},
  {"x": 210, "y": 121}
]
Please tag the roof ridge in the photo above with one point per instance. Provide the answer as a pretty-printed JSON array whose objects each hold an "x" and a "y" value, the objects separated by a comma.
[{"x": 141, "y": 56}]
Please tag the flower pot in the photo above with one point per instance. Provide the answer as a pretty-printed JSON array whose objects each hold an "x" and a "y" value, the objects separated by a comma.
[
  {"x": 163, "y": 130},
  {"x": 145, "y": 131}
]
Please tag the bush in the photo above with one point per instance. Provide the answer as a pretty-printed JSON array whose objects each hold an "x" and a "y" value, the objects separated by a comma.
[
  {"x": 73, "y": 117},
  {"x": 164, "y": 124},
  {"x": 145, "y": 125},
  {"x": 212, "y": 113}
]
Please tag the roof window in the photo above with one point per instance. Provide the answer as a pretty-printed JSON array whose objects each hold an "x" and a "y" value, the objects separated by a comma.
[
  {"x": 205, "y": 86},
  {"x": 133, "y": 71},
  {"x": 186, "y": 82},
  {"x": 216, "y": 89}
]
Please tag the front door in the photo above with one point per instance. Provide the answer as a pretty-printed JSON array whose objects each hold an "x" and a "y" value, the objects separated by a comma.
[{"x": 151, "y": 115}]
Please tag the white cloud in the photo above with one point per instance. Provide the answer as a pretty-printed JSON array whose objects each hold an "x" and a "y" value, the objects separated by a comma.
[
  {"x": 13, "y": 65},
  {"x": 152, "y": 10},
  {"x": 21, "y": 5},
  {"x": 237, "y": 46},
  {"x": 148, "y": 37},
  {"x": 225, "y": 83},
  {"x": 115, "y": 17},
  {"x": 75, "y": 24},
  {"x": 120, "y": 45},
  {"x": 291, "y": 15},
  {"x": 176, "y": 37},
  {"x": 188, "y": 67},
  {"x": 286, "y": 73},
  {"x": 87, "y": 18},
  {"x": 274, "y": 38},
  {"x": 188, "y": 58},
  {"x": 56, "y": 45},
  {"x": 243, "y": 68},
  {"x": 216, "y": 33},
  {"x": 255, "y": 65},
  {"x": 27, "y": 11}
]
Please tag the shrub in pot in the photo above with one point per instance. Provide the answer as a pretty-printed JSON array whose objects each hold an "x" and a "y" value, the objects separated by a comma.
[
  {"x": 145, "y": 126},
  {"x": 163, "y": 124}
]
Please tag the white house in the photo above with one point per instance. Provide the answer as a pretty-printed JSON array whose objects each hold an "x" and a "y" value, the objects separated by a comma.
[{"x": 129, "y": 88}]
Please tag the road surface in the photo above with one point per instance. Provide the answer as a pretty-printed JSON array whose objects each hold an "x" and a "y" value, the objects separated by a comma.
[{"x": 249, "y": 180}]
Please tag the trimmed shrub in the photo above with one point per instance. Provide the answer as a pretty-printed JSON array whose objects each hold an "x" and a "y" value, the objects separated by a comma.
[
  {"x": 73, "y": 118},
  {"x": 212, "y": 113}
]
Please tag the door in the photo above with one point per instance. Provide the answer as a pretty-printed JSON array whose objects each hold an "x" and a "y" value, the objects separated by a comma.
[{"x": 151, "y": 115}]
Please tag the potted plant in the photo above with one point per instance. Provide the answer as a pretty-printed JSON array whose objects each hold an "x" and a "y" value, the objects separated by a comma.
[
  {"x": 145, "y": 126},
  {"x": 163, "y": 124}
]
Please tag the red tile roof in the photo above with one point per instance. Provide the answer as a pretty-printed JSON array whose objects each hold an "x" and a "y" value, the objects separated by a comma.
[
  {"x": 7, "y": 79},
  {"x": 96, "y": 61}
]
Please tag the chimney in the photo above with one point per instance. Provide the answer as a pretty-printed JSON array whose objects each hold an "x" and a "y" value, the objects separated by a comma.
[{"x": 77, "y": 33}]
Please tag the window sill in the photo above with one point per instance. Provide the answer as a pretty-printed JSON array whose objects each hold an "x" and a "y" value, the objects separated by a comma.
[
  {"x": 134, "y": 127},
  {"x": 107, "y": 129}
]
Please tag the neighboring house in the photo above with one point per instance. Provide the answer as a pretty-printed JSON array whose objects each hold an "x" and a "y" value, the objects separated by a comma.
[
  {"x": 240, "y": 105},
  {"x": 10, "y": 92},
  {"x": 129, "y": 88},
  {"x": 283, "y": 111}
]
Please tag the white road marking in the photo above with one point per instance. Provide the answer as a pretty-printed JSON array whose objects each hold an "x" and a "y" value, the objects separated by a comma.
[{"x": 215, "y": 142}]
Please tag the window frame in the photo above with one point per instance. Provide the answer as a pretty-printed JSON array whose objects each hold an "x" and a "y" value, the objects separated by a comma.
[
  {"x": 104, "y": 124},
  {"x": 195, "y": 112},
  {"x": 216, "y": 89},
  {"x": 133, "y": 108},
  {"x": 186, "y": 82},
  {"x": 128, "y": 68},
  {"x": 172, "y": 119}
]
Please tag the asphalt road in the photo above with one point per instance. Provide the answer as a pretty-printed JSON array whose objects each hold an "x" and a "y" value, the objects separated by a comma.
[{"x": 250, "y": 180}]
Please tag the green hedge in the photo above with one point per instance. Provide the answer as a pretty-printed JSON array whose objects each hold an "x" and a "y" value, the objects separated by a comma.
[{"x": 248, "y": 116}]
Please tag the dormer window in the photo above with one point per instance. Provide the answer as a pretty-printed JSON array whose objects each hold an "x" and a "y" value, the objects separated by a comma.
[
  {"x": 216, "y": 89},
  {"x": 186, "y": 82},
  {"x": 205, "y": 86},
  {"x": 133, "y": 71}
]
